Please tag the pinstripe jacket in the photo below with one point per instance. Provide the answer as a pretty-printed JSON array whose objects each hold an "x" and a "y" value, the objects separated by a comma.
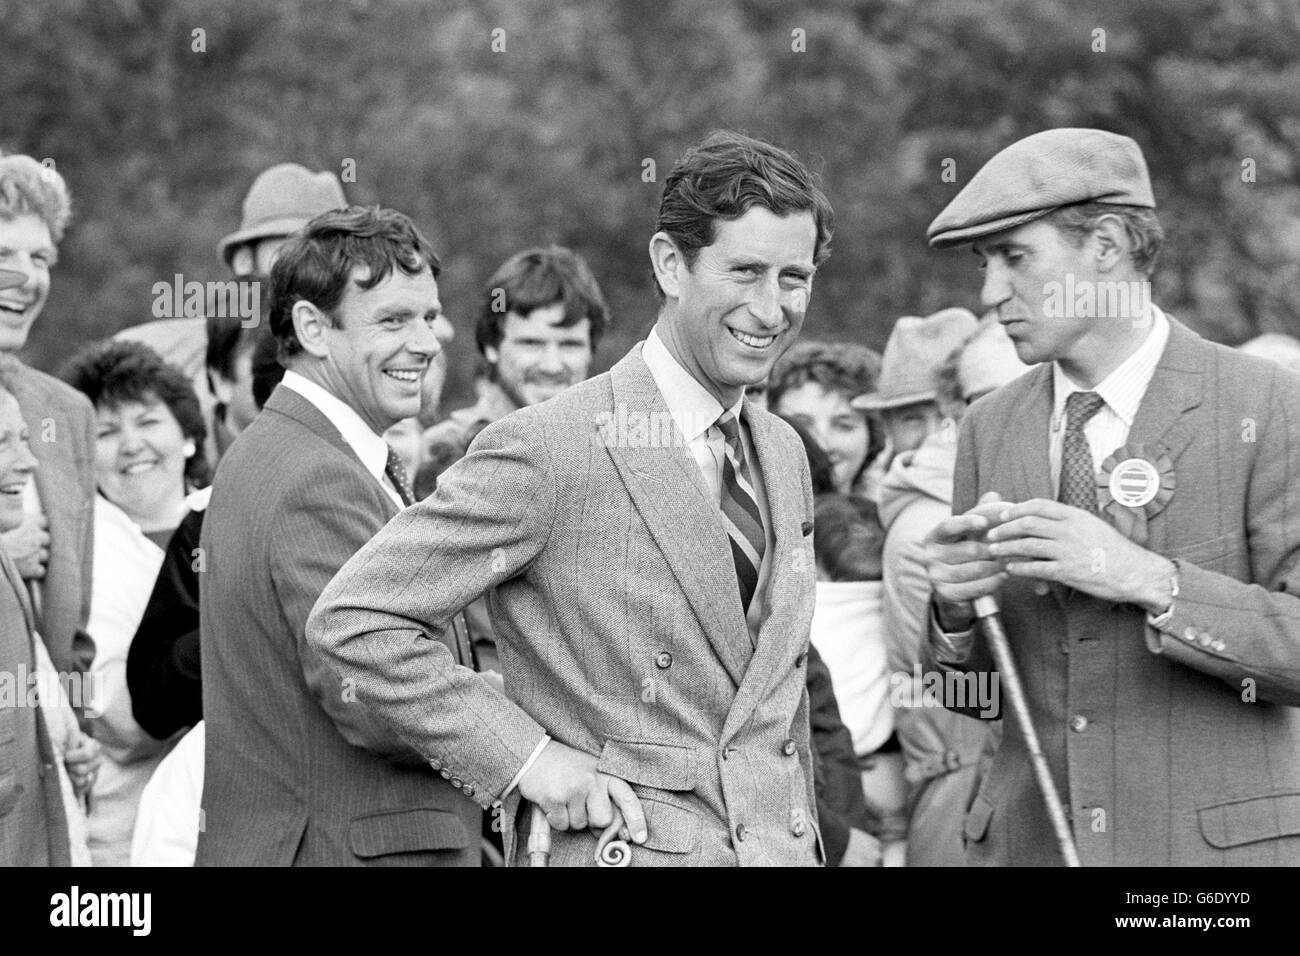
[
  {"x": 619, "y": 623},
  {"x": 1173, "y": 746},
  {"x": 295, "y": 770}
]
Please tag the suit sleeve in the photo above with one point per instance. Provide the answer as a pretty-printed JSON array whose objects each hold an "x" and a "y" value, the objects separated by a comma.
[
  {"x": 83, "y": 415},
  {"x": 378, "y": 621},
  {"x": 965, "y": 493},
  {"x": 162, "y": 665},
  {"x": 841, "y": 805},
  {"x": 1248, "y": 634}
]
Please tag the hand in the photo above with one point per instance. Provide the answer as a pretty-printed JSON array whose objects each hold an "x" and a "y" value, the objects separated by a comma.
[
  {"x": 958, "y": 561},
  {"x": 29, "y": 546},
  {"x": 863, "y": 850},
  {"x": 565, "y": 783},
  {"x": 82, "y": 759},
  {"x": 1050, "y": 541}
]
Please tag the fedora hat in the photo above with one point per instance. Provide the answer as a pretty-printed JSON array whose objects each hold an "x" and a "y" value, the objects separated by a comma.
[
  {"x": 914, "y": 352},
  {"x": 281, "y": 201}
]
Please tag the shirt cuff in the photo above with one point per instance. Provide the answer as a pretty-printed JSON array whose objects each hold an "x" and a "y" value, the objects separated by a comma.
[
  {"x": 537, "y": 752},
  {"x": 950, "y": 647}
]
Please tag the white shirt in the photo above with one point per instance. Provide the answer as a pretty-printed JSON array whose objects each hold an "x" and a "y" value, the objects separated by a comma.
[
  {"x": 369, "y": 447},
  {"x": 1122, "y": 390},
  {"x": 695, "y": 412}
]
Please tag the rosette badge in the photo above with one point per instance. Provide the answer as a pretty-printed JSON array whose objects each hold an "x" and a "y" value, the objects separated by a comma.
[{"x": 1134, "y": 485}]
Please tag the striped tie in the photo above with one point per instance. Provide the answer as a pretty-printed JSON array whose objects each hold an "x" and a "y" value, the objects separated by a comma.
[
  {"x": 740, "y": 514},
  {"x": 1078, "y": 476}
]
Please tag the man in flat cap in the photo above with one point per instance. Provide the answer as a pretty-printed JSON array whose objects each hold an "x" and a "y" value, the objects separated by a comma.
[{"x": 1134, "y": 505}]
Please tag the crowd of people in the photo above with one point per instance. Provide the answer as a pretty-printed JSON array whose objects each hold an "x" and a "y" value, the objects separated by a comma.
[{"x": 264, "y": 602}]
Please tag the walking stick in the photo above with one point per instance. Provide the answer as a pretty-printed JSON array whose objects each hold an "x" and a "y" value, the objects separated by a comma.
[
  {"x": 986, "y": 609},
  {"x": 610, "y": 852}
]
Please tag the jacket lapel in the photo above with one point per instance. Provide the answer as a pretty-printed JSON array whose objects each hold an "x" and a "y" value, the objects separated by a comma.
[
  {"x": 1175, "y": 389},
  {"x": 672, "y": 498},
  {"x": 9, "y": 571},
  {"x": 1032, "y": 439},
  {"x": 791, "y": 580}
]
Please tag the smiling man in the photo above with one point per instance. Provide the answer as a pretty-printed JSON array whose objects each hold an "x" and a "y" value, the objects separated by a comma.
[
  {"x": 1134, "y": 504},
  {"x": 651, "y": 591},
  {"x": 296, "y": 772},
  {"x": 52, "y": 546}
]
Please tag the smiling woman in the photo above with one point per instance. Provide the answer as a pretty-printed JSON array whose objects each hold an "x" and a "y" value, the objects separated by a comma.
[{"x": 149, "y": 455}]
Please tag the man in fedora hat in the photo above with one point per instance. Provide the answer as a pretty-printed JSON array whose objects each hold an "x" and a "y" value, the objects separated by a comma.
[
  {"x": 1134, "y": 505},
  {"x": 905, "y": 397}
]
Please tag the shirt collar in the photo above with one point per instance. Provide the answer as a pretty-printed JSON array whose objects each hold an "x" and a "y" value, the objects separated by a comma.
[
  {"x": 693, "y": 409},
  {"x": 369, "y": 447},
  {"x": 1123, "y": 389}
]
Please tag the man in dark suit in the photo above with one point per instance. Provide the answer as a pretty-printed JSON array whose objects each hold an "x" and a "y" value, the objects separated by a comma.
[
  {"x": 52, "y": 546},
  {"x": 296, "y": 771},
  {"x": 1147, "y": 554}
]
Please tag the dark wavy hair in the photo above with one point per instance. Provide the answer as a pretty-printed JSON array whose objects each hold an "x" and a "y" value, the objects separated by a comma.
[
  {"x": 316, "y": 263},
  {"x": 843, "y": 367},
  {"x": 725, "y": 176},
  {"x": 114, "y": 372},
  {"x": 535, "y": 279}
]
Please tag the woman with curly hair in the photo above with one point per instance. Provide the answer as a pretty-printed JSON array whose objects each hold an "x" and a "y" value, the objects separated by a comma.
[
  {"x": 812, "y": 385},
  {"x": 149, "y": 459}
]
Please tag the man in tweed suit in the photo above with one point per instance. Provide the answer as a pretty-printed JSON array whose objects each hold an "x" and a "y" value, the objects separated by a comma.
[
  {"x": 296, "y": 772},
  {"x": 644, "y": 539},
  {"x": 1147, "y": 554}
]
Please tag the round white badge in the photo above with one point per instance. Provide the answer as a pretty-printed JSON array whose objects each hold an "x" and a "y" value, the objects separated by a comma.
[{"x": 1134, "y": 482}]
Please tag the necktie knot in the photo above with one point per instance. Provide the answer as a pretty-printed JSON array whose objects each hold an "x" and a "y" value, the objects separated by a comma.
[
  {"x": 730, "y": 429},
  {"x": 1081, "y": 406}
]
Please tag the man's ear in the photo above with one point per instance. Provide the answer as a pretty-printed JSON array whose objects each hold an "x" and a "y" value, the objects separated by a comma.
[
  {"x": 309, "y": 324},
  {"x": 667, "y": 261},
  {"x": 1111, "y": 243}
]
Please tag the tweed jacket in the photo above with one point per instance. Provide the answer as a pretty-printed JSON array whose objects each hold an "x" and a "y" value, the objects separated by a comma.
[
  {"x": 620, "y": 628},
  {"x": 1171, "y": 746}
]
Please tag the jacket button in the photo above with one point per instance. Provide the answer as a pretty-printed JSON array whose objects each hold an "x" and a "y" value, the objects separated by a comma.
[
  {"x": 1042, "y": 588},
  {"x": 468, "y": 790},
  {"x": 798, "y": 828},
  {"x": 1218, "y": 646},
  {"x": 788, "y": 748},
  {"x": 727, "y": 752},
  {"x": 1078, "y": 723},
  {"x": 801, "y": 660},
  {"x": 446, "y": 774},
  {"x": 1189, "y": 634},
  {"x": 663, "y": 660},
  {"x": 741, "y": 832},
  {"x": 435, "y": 764},
  {"x": 1206, "y": 638},
  {"x": 457, "y": 782}
]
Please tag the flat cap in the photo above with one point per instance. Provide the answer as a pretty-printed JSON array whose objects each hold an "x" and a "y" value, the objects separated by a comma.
[{"x": 1040, "y": 173}]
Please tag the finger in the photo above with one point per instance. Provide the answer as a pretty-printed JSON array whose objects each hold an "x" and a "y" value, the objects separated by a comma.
[
  {"x": 578, "y": 811},
  {"x": 1037, "y": 548},
  {"x": 989, "y": 496},
  {"x": 1029, "y": 526},
  {"x": 961, "y": 573},
  {"x": 600, "y": 811},
  {"x": 958, "y": 528},
  {"x": 1037, "y": 570},
  {"x": 970, "y": 590},
  {"x": 960, "y": 552},
  {"x": 630, "y": 807},
  {"x": 42, "y": 522},
  {"x": 1039, "y": 507},
  {"x": 558, "y": 817}
]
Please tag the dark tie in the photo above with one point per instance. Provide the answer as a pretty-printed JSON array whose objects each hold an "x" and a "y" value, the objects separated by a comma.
[
  {"x": 1078, "y": 476},
  {"x": 740, "y": 514},
  {"x": 396, "y": 473}
]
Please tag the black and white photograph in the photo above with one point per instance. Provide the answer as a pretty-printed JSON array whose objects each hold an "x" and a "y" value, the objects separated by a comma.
[{"x": 600, "y": 433}]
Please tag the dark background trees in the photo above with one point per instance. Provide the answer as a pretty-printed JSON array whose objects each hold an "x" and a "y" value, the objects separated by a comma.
[{"x": 546, "y": 141}]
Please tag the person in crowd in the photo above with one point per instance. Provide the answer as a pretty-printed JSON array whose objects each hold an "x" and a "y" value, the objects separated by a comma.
[
  {"x": 52, "y": 546},
  {"x": 211, "y": 348},
  {"x": 148, "y": 460},
  {"x": 1132, "y": 503},
  {"x": 163, "y": 665},
  {"x": 651, "y": 598},
  {"x": 904, "y": 397},
  {"x": 812, "y": 385},
  {"x": 846, "y": 630},
  {"x": 541, "y": 317},
  {"x": 943, "y": 750},
  {"x": 41, "y": 820},
  {"x": 296, "y": 770}
]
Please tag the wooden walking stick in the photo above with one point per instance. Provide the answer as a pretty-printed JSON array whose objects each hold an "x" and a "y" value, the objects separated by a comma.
[{"x": 986, "y": 609}]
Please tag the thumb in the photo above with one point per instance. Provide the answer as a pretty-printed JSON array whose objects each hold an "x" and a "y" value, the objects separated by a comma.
[{"x": 989, "y": 496}]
